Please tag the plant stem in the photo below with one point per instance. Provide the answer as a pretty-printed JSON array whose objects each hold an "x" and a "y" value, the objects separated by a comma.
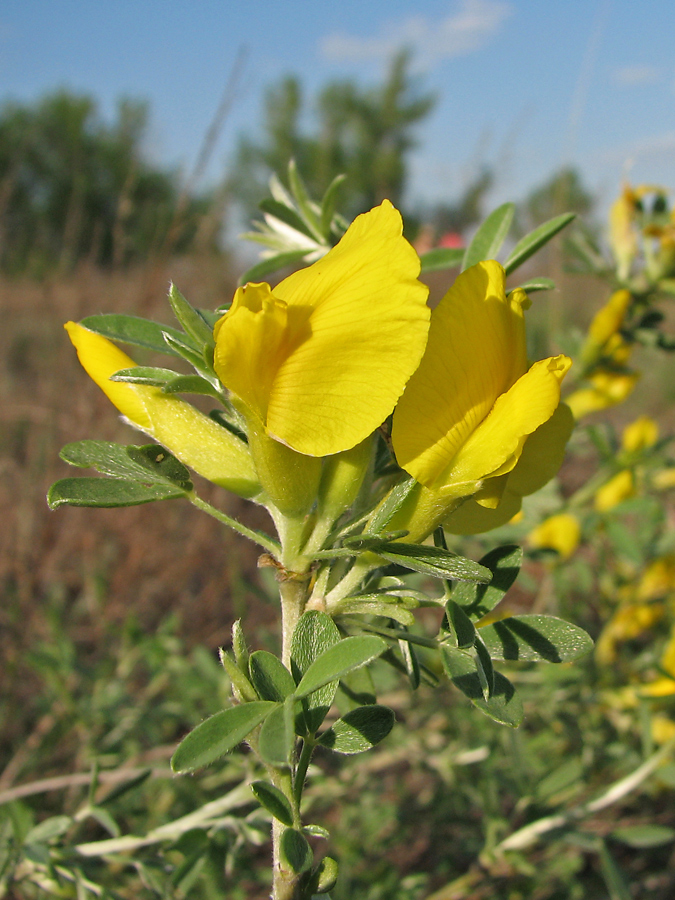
[{"x": 256, "y": 536}]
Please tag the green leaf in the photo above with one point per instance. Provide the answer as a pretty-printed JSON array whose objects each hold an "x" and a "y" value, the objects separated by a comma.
[
  {"x": 434, "y": 561},
  {"x": 643, "y": 836},
  {"x": 325, "y": 877},
  {"x": 285, "y": 214},
  {"x": 391, "y": 505},
  {"x": 462, "y": 625},
  {"x": 49, "y": 829},
  {"x": 528, "y": 245},
  {"x": 191, "y": 319},
  {"x": 270, "y": 677},
  {"x": 359, "y": 730},
  {"x": 504, "y": 564},
  {"x": 537, "y": 284},
  {"x": 328, "y": 205},
  {"x": 356, "y": 689},
  {"x": 535, "y": 638},
  {"x": 503, "y": 706},
  {"x": 411, "y": 662},
  {"x": 351, "y": 653},
  {"x": 107, "y": 492},
  {"x": 295, "y": 851},
  {"x": 191, "y": 384},
  {"x": 376, "y": 605},
  {"x": 162, "y": 465},
  {"x": 188, "y": 351},
  {"x": 132, "y": 330},
  {"x": 277, "y": 736},
  {"x": 442, "y": 258},
  {"x": 149, "y": 375},
  {"x": 614, "y": 878},
  {"x": 314, "y": 633},
  {"x": 273, "y": 800},
  {"x": 104, "y": 456},
  {"x": 305, "y": 205},
  {"x": 489, "y": 238},
  {"x": 484, "y": 668},
  {"x": 219, "y": 734},
  {"x": 272, "y": 264}
]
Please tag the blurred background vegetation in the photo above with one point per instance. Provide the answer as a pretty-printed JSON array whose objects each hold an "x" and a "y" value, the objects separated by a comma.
[{"x": 110, "y": 620}]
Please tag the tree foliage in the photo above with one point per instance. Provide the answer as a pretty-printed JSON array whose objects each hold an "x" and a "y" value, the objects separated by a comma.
[
  {"x": 363, "y": 133},
  {"x": 73, "y": 186}
]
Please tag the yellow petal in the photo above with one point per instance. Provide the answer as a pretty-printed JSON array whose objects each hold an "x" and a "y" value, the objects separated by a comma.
[
  {"x": 253, "y": 346},
  {"x": 495, "y": 446},
  {"x": 475, "y": 352},
  {"x": 356, "y": 329},
  {"x": 472, "y": 518},
  {"x": 609, "y": 319},
  {"x": 100, "y": 359},
  {"x": 194, "y": 438},
  {"x": 608, "y": 389},
  {"x": 561, "y": 533},
  {"x": 619, "y": 488},
  {"x": 640, "y": 435},
  {"x": 542, "y": 454}
]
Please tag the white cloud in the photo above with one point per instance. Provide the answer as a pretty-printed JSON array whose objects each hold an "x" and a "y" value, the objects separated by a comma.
[
  {"x": 631, "y": 76},
  {"x": 468, "y": 28}
]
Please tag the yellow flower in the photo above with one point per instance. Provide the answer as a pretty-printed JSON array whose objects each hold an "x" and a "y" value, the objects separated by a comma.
[
  {"x": 561, "y": 533},
  {"x": 320, "y": 361},
  {"x": 608, "y": 389},
  {"x": 658, "y": 579},
  {"x": 194, "y": 438},
  {"x": 640, "y": 435},
  {"x": 663, "y": 729},
  {"x": 606, "y": 323},
  {"x": 467, "y": 412},
  {"x": 628, "y": 622},
  {"x": 664, "y": 479},
  {"x": 619, "y": 488},
  {"x": 622, "y": 235}
]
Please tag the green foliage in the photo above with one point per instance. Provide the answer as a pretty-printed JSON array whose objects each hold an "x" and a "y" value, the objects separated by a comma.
[
  {"x": 76, "y": 187},
  {"x": 364, "y": 134}
]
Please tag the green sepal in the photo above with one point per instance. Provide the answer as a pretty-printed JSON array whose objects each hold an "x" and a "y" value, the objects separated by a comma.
[
  {"x": 107, "y": 493},
  {"x": 270, "y": 677},
  {"x": 479, "y": 599},
  {"x": 295, "y": 851},
  {"x": 359, "y": 730},
  {"x": 314, "y": 633},
  {"x": 239, "y": 646},
  {"x": 349, "y": 654},
  {"x": 191, "y": 319},
  {"x": 274, "y": 801},
  {"x": 538, "y": 638},
  {"x": 534, "y": 240},
  {"x": 489, "y": 238},
  {"x": 442, "y": 258},
  {"x": 219, "y": 734},
  {"x": 133, "y": 330},
  {"x": 503, "y": 706}
]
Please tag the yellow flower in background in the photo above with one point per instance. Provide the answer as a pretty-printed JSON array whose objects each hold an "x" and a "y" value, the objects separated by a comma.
[
  {"x": 664, "y": 480},
  {"x": 663, "y": 729},
  {"x": 463, "y": 421},
  {"x": 640, "y": 435},
  {"x": 605, "y": 325},
  {"x": 665, "y": 685},
  {"x": 619, "y": 488},
  {"x": 658, "y": 579},
  {"x": 194, "y": 438},
  {"x": 628, "y": 622},
  {"x": 622, "y": 234},
  {"x": 608, "y": 388},
  {"x": 561, "y": 533},
  {"x": 320, "y": 361}
]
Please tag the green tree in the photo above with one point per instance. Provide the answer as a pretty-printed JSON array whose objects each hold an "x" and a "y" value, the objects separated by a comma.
[
  {"x": 364, "y": 133},
  {"x": 72, "y": 186}
]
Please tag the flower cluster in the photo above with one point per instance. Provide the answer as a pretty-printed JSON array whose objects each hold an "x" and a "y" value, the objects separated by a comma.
[{"x": 316, "y": 365}]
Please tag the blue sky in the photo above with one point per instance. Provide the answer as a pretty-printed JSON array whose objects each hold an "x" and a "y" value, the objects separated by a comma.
[{"x": 526, "y": 85}]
